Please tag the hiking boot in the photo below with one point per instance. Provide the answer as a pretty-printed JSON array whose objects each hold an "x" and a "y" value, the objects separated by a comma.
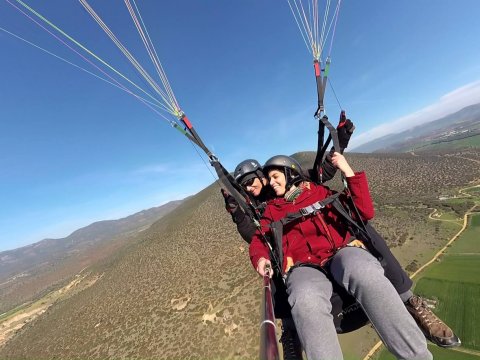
[
  {"x": 434, "y": 329},
  {"x": 292, "y": 348}
]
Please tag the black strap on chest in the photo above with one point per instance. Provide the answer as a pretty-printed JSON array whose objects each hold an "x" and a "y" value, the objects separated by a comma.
[
  {"x": 357, "y": 227},
  {"x": 310, "y": 210}
]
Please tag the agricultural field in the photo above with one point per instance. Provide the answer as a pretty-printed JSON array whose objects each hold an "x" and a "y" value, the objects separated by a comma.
[
  {"x": 469, "y": 142},
  {"x": 447, "y": 217},
  {"x": 439, "y": 354},
  {"x": 453, "y": 284},
  {"x": 474, "y": 191}
]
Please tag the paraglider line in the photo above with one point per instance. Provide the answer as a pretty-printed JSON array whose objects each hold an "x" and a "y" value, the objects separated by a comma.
[
  {"x": 78, "y": 44},
  {"x": 76, "y": 66},
  {"x": 334, "y": 93}
]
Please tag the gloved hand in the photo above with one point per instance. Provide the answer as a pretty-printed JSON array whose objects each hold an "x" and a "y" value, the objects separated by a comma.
[
  {"x": 231, "y": 204},
  {"x": 344, "y": 130}
]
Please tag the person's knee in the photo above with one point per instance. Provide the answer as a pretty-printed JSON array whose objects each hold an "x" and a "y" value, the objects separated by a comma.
[
  {"x": 307, "y": 294},
  {"x": 307, "y": 300},
  {"x": 354, "y": 265}
]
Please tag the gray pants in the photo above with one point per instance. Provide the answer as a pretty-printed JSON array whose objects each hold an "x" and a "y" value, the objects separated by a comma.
[{"x": 309, "y": 292}]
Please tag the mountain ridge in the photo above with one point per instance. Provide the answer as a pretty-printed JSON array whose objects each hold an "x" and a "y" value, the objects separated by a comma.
[
  {"x": 467, "y": 117},
  {"x": 31, "y": 270}
]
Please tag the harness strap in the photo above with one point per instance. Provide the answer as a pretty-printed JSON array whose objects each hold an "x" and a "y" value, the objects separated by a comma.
[
  {"x": 277, "y": 234},
  {"x": 312, "y": 210},
  {"x": 276, "y": 227},
  {"x": 309, "y": 210},
  {"x": 341, "y": 210},
  {"x": 362, "y": 231},
  {"x": 333, "y": 132},
  {"x": 322, "y": 147},
  {"x": 231, "y": 186}
]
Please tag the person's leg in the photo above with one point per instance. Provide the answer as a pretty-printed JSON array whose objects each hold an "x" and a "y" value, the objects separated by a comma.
[
  {"x": 291, "y": 346},
  {"x": 432, "y": 326},
  {"x": 362, "y": 275},
  {"x": 309, "y": 293}
]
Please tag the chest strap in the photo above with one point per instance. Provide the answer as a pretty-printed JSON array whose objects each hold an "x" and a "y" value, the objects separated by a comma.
[
  {"x": 277, "y": 226},
  {"x": 309, "y": 210}
]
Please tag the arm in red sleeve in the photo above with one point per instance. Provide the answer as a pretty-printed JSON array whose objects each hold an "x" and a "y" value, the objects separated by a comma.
[{"x": 360, "y": 192}]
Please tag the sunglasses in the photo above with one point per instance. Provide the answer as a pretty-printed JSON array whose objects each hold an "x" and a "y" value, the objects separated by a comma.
[{"x": 248, "y": 182}]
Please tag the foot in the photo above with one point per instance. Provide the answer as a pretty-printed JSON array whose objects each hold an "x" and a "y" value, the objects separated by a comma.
[{"x": 434, "y": 329}]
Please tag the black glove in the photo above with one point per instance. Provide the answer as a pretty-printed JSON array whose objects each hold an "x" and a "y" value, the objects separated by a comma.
[
  {"x": 231, "y": 204},
  {"x": 344, "y": 130}
]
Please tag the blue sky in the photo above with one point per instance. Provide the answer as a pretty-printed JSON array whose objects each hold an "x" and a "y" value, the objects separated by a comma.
[{"x": 74, "y": 150}]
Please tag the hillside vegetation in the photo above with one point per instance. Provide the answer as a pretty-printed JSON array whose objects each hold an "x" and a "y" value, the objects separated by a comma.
[
  {"x": 186, "y": 289},
  {"x": 34, "y": 270}
]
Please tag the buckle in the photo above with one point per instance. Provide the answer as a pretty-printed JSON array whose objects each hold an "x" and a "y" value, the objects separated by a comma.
[
  {"x": 312, "y": 209},
  {"x": 306, "y": 210},
  {"x": 318, "y": 206}
]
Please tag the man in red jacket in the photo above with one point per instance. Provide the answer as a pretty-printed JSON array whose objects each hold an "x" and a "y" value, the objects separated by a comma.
[{"x": 317, "y": 248}]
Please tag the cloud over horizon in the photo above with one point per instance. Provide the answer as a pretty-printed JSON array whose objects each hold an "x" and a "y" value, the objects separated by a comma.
[{"x": 447, "y": 104}]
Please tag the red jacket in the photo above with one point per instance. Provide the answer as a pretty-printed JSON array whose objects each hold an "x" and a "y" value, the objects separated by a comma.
[{"x": 315, "y": 238}]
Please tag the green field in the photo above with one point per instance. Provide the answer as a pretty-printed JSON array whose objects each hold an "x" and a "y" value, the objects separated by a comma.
[
  {"x": 473, "y": 141},
  {"x": 457, "y": 305},
  {"x": 450, "y": 217},
  {"x": 438, "y": 354},
  {"x": 454, "y": 282},
  {"x": 474, "y": 191}
]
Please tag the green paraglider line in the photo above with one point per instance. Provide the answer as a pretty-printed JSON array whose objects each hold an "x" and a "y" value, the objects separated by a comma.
[
  {"x": 326, "y": 71},
  {"x": 189, "y": 131},
  {"x": 117, "y": 85},
  {"x": 184, "y": 132},
  {"x": 81, "y": 46}
]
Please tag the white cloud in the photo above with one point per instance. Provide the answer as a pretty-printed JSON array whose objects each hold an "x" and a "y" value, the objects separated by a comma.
[{"x": 447, "y": 104}]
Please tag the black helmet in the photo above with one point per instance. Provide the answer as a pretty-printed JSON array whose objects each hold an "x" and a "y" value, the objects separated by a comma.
[
  {"x": 289, "y": 166},
  {"x": 247, "y": 169}
]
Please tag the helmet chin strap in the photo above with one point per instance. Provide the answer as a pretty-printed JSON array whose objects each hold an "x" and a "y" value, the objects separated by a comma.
[
  {"x": 288, "y": 178},
  {"x": 264, "y": 180}
]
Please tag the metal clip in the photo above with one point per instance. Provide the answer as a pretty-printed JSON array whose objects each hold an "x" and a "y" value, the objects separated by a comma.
[
  {"x": 306, "y": 210},
  {"x": 318, "y": 206}
]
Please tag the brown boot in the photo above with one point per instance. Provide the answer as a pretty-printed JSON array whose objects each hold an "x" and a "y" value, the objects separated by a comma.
[{"x": 434, "y": 329}]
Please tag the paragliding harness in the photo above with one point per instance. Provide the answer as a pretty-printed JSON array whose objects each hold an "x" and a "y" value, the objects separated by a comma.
[{"x": 347, "y": 313}]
